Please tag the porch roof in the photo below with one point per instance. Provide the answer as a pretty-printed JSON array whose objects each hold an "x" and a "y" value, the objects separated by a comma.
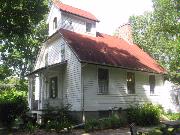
[{"x": 47, "y": 67}]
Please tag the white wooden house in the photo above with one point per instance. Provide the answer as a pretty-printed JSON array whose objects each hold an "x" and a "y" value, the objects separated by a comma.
[{"x": 91, "y": 71}]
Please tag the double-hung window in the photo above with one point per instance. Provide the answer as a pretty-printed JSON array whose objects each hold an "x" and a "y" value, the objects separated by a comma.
[
  {"x": 53, "y": 87},
  {"x": 103, "y": 79},
  {"x": 62, "y": 51},
  {"x": 152, "y": 83},
  {"x": 130, "y": 83}
]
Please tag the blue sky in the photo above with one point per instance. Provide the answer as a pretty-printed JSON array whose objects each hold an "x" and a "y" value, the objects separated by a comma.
[{"x": 112, "y": 13}]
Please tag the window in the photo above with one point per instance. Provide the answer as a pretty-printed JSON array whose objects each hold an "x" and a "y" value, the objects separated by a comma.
[
  {"x": 62, "y": 51},
  {"x": 46, "y": 59},
  {"x": 53, "y": 87},
  {"x": 130, "y": 83},
  {"x": 103, "y": 78},
  {"x": 152, "y": 83},
  {"x": 88, "y": 27},
  {"x": 55, "y": 23}
]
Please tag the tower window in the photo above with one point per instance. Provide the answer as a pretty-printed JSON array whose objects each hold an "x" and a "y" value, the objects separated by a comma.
[
  {"x": 88, "y": 27},
  {"x": 55, "y": 23}
]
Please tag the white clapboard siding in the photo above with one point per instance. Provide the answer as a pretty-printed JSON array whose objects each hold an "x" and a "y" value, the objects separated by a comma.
[
  {"x": 117, "y": 96},
  {"x": 54, "y": 12},
  {"x": 53, "y": 50},
  {"x": 40, "y": 58},
  {"x": 78, "y": 24},
  {"x": 72, "y": 73},
  {"x": 69, "y": 77}
]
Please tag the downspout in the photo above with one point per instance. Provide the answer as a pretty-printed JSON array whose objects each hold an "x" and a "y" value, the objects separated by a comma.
[{"x": 82, "y": 87}]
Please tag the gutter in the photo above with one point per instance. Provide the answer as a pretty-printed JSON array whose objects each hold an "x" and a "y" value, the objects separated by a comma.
[{"x": 108, "y": 65}]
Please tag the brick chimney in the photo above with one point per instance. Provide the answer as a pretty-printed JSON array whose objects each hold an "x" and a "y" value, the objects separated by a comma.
[{"x": 125, "y": 32}]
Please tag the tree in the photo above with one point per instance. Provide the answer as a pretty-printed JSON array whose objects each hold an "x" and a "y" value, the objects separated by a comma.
[
  {"x": 157, "y": 33},
  {"x": 18, "y": 17},
  {"x": 20, "y": 53},
  {"x": 4, "y": 72},
  {"x": 22, "y": 30}
]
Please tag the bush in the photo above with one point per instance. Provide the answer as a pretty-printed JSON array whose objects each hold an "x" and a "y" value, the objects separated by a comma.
[
  {"x": 13, "y": 103},
  {"x": 30, "y": 127},
  {"x": 57, "y": 118},
  {"x": 104, "y": 123},
  {"x": 144, "y": 115}
]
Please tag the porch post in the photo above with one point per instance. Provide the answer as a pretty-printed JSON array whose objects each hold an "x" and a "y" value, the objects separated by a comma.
[{"x": 30, "y": 87}]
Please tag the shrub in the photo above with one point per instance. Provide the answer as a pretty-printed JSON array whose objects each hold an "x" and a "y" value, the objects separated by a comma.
[
  {"x": 104, "y": 123},
  {"x": 13, "y": 103},
  {"x": 144, "y": 115},
  {"x": 92, "y": 125},
  {"x": 57, "y": 118},
  {"x": 30, "y": 127}
]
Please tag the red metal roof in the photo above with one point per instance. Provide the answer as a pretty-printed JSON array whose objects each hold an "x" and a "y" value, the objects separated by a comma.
[
  {"x": 108, "y": 50},
  {"x": 75, "y": 11}
]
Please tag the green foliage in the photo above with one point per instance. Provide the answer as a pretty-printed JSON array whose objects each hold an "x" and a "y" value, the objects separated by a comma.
[
  {"x": 19, "y": 53},
  {"x": 104, "y": 123},
  {"x": 92, "y": 125},
  {"x": 30, "y": 127},
  {"x": 144, "y": 115},
  {"x": 57, "y": 118},
  {"x": 13, "y": 103},
  {"x": 18, "y": 17},
  {"x": 157, "y": 33},
  {"x": 173, "y": 116},
  {"x": 4, "y": 72},
  {"x": 14, "y": 83},
  {"x": 155, "y": 132}
]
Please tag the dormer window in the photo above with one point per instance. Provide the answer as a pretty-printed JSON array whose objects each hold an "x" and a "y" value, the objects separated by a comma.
[
  {"x": 88, "y": 27},
  {"x": 55, "y": 23}
]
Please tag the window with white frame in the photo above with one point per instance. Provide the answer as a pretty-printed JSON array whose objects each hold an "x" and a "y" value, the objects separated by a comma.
[
  {"x": 88, "y": 27},
  {"x": 55, "y": 23},
  {"x": 103, "y": 79},
  {"x": 152, "y": 83},
  {"x": 53, "y": 87},
  {"x": 130, "y": 83}
]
